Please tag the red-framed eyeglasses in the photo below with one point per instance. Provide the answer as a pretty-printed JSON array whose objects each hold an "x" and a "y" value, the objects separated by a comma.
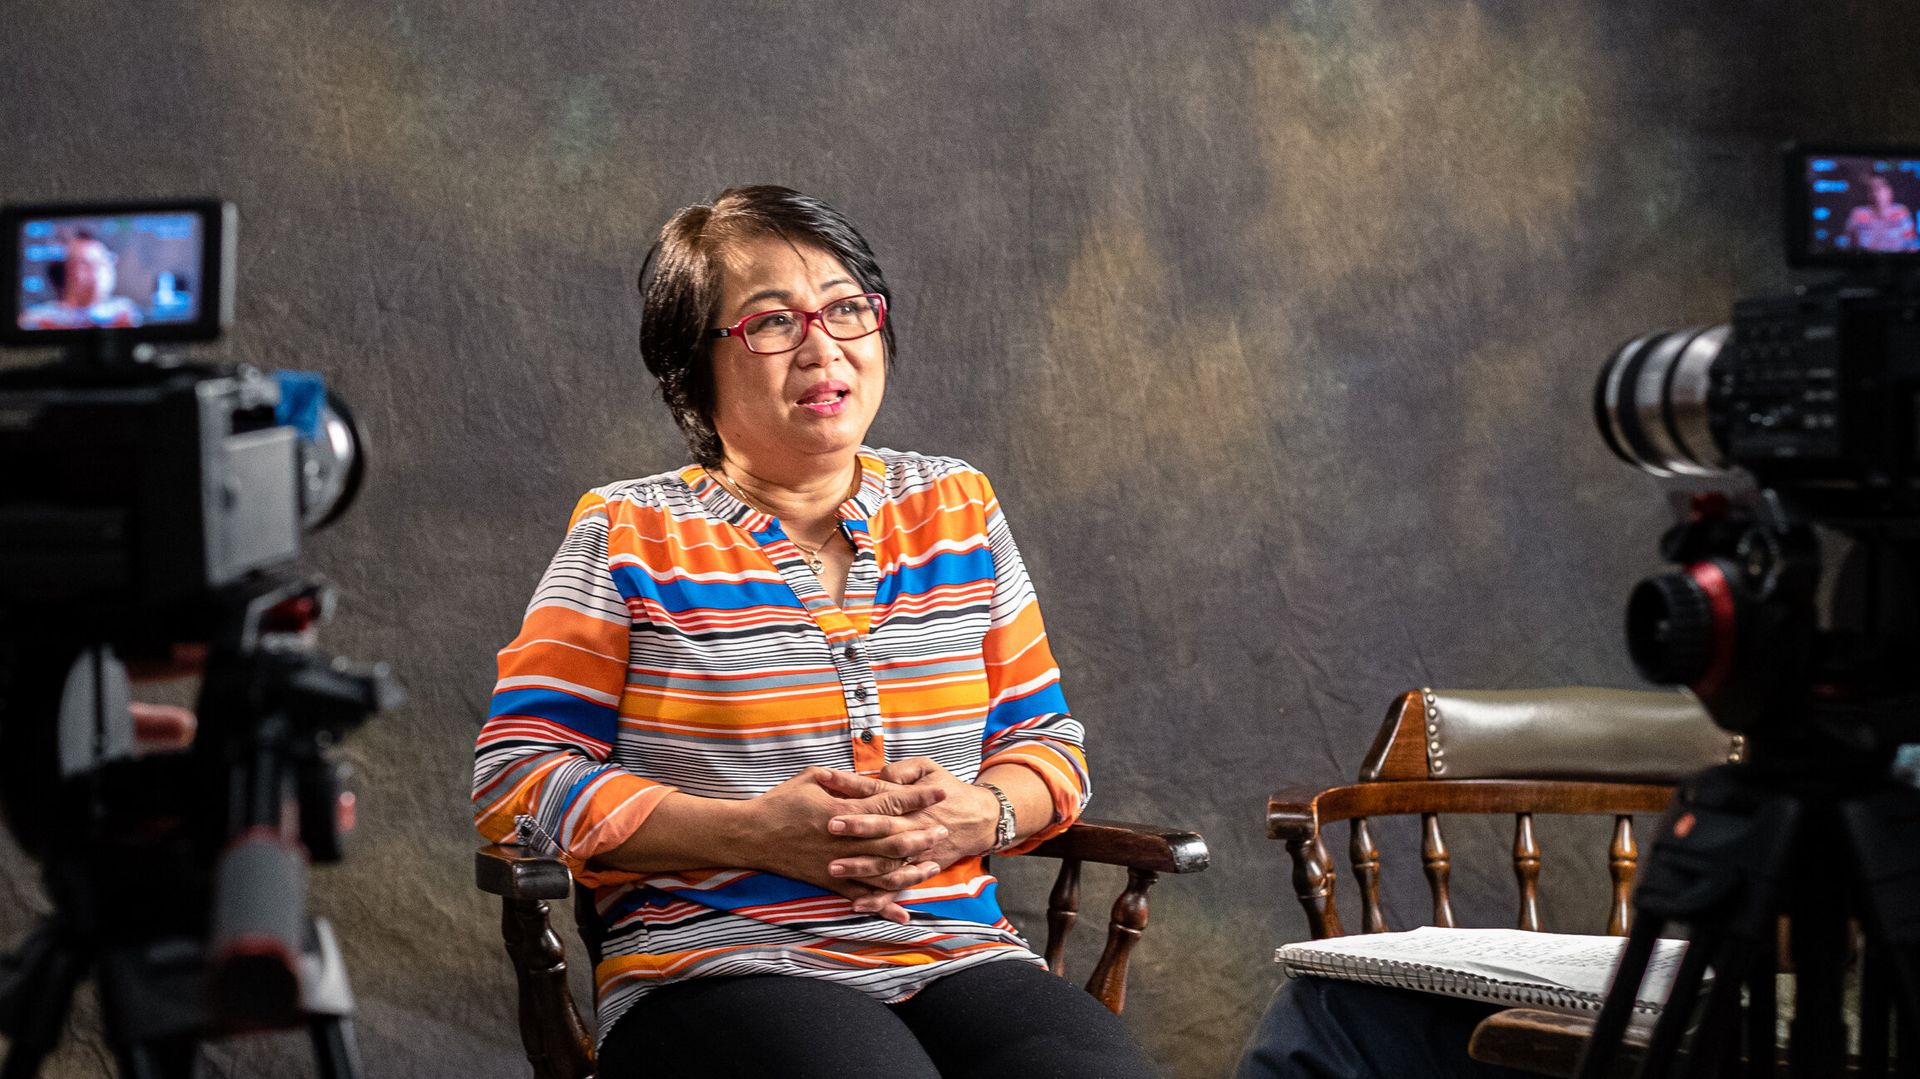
[{"x": 769, "y": 333}]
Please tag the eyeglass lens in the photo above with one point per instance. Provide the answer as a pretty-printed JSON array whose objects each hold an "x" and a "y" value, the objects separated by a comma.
[{"x": 778, "y": 331}]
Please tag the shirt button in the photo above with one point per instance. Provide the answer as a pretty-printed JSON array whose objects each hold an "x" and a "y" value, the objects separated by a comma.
[
  {"x": 859, "y": 693},
  {"x": 853, "y": 651},
  {"x": 866, "y": 736}
]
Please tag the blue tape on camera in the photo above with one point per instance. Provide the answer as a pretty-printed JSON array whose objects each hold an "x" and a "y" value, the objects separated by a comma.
[{"x": 303, "y": 397}]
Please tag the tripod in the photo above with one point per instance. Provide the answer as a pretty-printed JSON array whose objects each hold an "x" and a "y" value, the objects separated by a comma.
[
  {"x": 1810, "y": 832},
  {"x": 1744, "y": 846},
  {"x": 152, "y": 989},
  {"x": 179, "y": 880}
]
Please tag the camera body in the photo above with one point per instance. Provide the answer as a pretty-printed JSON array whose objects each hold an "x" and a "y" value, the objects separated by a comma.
[
  {"x": 132, "y": 482},
  {"x": 1815, "y": 393},
  {"x": 147, "y": 488},
  {"x": 1816, "y": 397}
]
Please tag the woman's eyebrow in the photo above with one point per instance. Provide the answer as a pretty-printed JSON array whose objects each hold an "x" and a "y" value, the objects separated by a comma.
[
  {"x": 765, "y": 294},
  {"x": 787, "y": 297}
]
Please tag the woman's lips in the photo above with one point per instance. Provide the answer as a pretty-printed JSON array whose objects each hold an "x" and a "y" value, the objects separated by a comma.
[{"x": 825, "y": 399}]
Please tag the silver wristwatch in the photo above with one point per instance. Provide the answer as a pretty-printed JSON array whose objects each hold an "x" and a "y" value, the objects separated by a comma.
[{"x": 1007, "y": 829}]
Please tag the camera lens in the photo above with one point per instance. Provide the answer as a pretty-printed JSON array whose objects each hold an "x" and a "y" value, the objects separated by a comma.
[
  {"x": 332, "y": 466},
  {"x": 1651, "y": 402},
  {"x": 1670, "y": 629}
]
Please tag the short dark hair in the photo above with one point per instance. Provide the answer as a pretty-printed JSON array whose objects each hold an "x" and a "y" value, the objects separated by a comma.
[
  {"x": 681, "y": 299},
  {"x": 56, "y": 271}
]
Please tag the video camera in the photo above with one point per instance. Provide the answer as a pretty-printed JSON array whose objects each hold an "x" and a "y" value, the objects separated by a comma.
[
  {"x": 1815, "y": 395},
  {"x": 151, "y": 511},
  {"x": 146, "y": 482}
]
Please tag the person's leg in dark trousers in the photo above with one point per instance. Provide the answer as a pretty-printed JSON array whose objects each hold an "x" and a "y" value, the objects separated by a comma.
[
  {"x": 761, "y": 1025},
  {"x": 1009, "y": 1018},
  {"x": 1324, "y": 1028}
]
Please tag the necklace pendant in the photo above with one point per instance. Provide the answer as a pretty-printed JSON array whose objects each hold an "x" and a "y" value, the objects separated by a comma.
[{"x": 815, "y": 564}]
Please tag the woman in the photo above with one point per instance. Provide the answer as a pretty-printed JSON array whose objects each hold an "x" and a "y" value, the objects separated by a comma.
[
  {"x": 775, "y": 706},
  {"x": 1883, "y": 224}
]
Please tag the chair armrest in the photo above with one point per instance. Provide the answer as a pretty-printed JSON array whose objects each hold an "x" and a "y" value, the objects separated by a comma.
[
  {"x": 1294, "y": 813},
  {"x": 1549, "y": 1043},
  {"x": 1134, "y": 846},
  {"x": 512, "y": 873}
]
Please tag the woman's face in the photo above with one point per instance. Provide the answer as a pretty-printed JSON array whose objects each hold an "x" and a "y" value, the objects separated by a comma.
[
  {"x": 89, "y": 274},
  {"x": 1882, "y": 191},
  {"x": 815, "y": 401}
]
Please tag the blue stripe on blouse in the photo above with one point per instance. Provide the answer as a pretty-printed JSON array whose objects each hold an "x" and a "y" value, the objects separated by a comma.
[
  {"x": 586, "y": 718},
  {"x": 948, "y": 567},
  {"x": 1046, "y": 700},
  {"x": 680, "y": 596}
]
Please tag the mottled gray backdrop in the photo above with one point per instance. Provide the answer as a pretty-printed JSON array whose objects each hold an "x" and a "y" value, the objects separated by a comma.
[{"x": 1273, "y": 322}]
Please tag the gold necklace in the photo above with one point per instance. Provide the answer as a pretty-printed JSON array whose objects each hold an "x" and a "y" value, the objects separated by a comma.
[{"x": 814, "y": 561}]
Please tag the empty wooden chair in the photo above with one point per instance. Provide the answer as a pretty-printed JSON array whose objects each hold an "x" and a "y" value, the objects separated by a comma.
[{"x": 1571, "y": 750}]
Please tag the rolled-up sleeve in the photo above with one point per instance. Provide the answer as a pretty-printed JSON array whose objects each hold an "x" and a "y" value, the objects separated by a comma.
[
  {"x": 1027, "y": 719},
  {"x": 544, "y": 750}
]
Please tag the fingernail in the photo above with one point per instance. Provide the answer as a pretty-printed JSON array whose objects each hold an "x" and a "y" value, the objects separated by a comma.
[
  {"x": 837, "y": 870},
  {"x": 836, "y": 825},
  {"x": 940, "y": 831}
]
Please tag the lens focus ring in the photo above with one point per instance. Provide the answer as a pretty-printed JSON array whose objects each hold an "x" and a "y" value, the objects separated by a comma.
[{"x": 1670, "y": 629}]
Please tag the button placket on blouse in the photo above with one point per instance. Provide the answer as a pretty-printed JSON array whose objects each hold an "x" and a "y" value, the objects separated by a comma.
[
  {"x": 851, "y": 658},
  {"x": 847, "y": 644}
]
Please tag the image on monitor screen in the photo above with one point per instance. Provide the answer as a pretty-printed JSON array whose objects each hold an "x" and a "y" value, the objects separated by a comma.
[
  {"x": 1861, "y": 204},
  {"x": 123, "y": 271}
]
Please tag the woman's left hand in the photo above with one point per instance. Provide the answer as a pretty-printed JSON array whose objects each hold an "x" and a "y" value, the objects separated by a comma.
[{"x": 970, "y": 813}]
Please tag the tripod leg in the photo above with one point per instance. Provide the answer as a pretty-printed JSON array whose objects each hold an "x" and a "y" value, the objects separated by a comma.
[
  {"x": 1903, "y": 980},
  {"x": 1627, "y": 976},
  {"x": 1718, "y": 1037},
  {"x": 38, "y": 995},
  {"x": 1679, "y": 1008},
  {"x": 334, "y": 1048},
  {"x": 1906, "y": 1042},
  {"x": 1875, "y": 1013},
  {"x": 1818, "y": 1045},
  {"x": 166, "y": 1058},
  {"x": 1763, "y": 1007}
]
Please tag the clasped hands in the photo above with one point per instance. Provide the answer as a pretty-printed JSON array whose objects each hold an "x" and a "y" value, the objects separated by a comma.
[{"x": 871, "y": 837}]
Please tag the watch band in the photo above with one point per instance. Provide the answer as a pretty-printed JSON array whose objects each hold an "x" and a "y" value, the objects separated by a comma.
[{"x": 1007, "y": 828}]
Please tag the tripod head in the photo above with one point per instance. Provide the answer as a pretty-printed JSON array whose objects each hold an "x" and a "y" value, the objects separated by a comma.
[
  {"x": 219, "y": 833},
  {"x": 1744, "y": 624},
  {"x": 1820, "y": 683}
]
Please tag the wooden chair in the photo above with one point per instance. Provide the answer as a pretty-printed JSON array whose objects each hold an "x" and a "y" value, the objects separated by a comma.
[
  {"x": 1522, "y": 752},
  {"x": 557, "y": 1036}
]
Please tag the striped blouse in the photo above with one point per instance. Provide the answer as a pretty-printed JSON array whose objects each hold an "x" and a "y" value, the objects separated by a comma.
[{"x": 678, "y": 641}]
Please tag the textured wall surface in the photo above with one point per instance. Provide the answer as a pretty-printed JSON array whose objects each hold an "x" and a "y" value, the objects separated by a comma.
[{"x": 1274, "y": 324}]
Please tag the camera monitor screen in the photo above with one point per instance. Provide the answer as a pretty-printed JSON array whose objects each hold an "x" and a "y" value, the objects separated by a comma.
[
  {"x": 1853, "y": 205},
  {"x": 156, "y": 271}
]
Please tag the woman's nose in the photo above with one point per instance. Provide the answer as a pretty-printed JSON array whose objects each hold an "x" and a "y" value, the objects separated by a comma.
[{"x": 820, "y": 347}]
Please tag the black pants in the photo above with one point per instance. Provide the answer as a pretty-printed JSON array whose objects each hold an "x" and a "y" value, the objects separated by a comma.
[
  {"x": 1322, "y": 1028},
  {"x": 1001, "y": 1019}
]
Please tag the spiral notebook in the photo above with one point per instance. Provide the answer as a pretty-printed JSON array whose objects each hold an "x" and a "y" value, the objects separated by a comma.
[{"x": 1563, "y": 971}]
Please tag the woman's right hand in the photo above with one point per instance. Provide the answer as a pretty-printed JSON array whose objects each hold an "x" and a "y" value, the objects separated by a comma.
[{"x": 786, "y": 832}]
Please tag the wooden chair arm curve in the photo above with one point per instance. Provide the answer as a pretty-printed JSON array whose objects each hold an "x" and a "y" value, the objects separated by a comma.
[
  {"x": 513, "y": 873},
  {"x": 1294, "y": 813},
  {"x": 1134, "y": 846}
]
